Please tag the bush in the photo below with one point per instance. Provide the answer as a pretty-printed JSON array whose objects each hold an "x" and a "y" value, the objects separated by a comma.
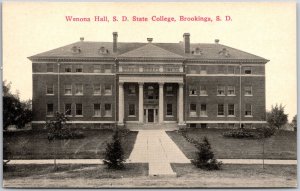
[
  {"x": 239, "y": 133},
  {"x": 205, "y": 157},
  {"x": 262, "y": 132},
  {"x": 114, "y": 154}
]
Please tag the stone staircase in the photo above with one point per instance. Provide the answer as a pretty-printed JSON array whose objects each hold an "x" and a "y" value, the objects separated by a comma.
[{"x": 152, "y": 126}]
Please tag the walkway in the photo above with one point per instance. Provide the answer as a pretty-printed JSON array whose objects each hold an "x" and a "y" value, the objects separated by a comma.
[{"x": 156, "y": 148}]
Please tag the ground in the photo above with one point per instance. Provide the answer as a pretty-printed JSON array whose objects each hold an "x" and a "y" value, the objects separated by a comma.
[
  {"x": 136, "y": 176},
  {"x": 35, "y": 145},
  {"x": 283, "y": 145}
]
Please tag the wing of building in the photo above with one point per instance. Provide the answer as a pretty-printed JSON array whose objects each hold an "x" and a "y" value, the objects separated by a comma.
[{"x": 101, "y": 84}]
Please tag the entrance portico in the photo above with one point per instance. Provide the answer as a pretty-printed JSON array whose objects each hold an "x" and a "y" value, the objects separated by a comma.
[{"x": 152, "y": 106}]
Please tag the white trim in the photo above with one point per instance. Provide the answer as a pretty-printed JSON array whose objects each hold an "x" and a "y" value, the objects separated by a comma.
[
  {"x": 217, "y": 64},
  {"x": 76, "y": 122},
  {"x": 169, "y": 122},
  {"x": 226, "y": 75},
  {"x": 153, "y": 79},
  {"x": 258, "y": 122},
  {"x": 73, "y": 73},
  {"x": 154, "y": 63}
]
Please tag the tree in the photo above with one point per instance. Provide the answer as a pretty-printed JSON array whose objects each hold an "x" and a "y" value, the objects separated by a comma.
[
  {"x": 205, "y": 158},
  {"x": 15, "y": 112},
  {"x": 277, "y": 117},
  {"x": 114, "y": 154},
  {"x": 294, "y": 122}
]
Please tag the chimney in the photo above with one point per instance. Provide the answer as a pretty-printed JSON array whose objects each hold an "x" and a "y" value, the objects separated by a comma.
[
  {"x": 81, "y": 38},
  {"x": 186, "y": 39},
  {"x": 149, "y": 40},
  {"x": 217, "y": 41},
  {"x": 115, "y": 42}
]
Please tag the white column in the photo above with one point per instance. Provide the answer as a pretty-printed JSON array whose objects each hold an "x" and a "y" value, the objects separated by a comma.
[
  {"x": 161, "y": 103},
  {"x": 180, "y": 104},
  {"x": 141, "y": 102},
  {"x": 121, "y": 104}
]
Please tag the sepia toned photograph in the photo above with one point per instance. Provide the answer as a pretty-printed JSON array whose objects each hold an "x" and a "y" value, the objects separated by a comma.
[{"x": 149, "y": 95}]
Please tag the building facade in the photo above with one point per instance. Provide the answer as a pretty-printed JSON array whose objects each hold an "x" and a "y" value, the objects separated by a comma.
[{"x": 101, "y": 84}]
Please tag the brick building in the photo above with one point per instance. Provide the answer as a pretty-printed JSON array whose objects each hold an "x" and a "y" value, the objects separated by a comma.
[{"x": 183, "y": 84}]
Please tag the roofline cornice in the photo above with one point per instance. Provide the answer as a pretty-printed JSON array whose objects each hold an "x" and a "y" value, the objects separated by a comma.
[{"x": 68, "y": 59}]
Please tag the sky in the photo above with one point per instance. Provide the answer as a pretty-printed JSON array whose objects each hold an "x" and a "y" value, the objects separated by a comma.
[{"x": 264, "y": 29}]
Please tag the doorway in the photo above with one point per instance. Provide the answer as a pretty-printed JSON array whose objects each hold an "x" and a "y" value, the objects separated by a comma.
[{"x": 150, "y": 115}]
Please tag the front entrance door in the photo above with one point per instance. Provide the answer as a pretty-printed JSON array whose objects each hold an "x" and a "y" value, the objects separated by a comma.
[{"x": 150, "y": 115}]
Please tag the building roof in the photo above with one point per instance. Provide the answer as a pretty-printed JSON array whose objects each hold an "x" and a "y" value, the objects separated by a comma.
[{"x": 199, "y": 51}]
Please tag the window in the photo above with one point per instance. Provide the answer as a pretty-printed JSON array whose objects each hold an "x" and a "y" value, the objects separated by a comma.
[
  {"x": 248, "y": 125},
  {"x": 68, "y": 109},
  {"x": 221, "y": 125},
  {"x": 78, "y": 89},
  {"x": 108, "y": 89},
  {"x": 193, "y": 125},
  {"x": 97, "y": 89},
  {"x": 193, "y": 90},
  {"x": 193, "y": 70},
  {"x": 97, "y": 68},
  {"x": 231, "y": 110},
  {"x": 203, "y": 91},
  {"x": 169, "y": 90},
  {"x": 230, "y": 69},
  {"x": 221, "y": 110},
  {"x": 221, "y": 69},
  {"x": 248, "y": 70},
  {"x": 169, "y": 110},
  {"x": 50, "y": 109},
  {"x": 97, "y": 111},
  {"x": 248, "y": 110},
  {"x": 107, "y": 69},
  {"x": 203, "y": 70},
  {"x": 131, "y": 90},
  {"x": 248, "y": 90},
  {"x": 50, "y": 67},
  {"x": 108, "y": 111},
  {"x": 78, "y": 109},
  {"x": 78, "y": 68},
  {"x": 50, "y": 89},
  {"x": 203, "y": 125},
  {"x": 231, "y": 125},
  {"x": 221, "y": 91},
  {"x": 68, "y": 68},
  {"x": 231, "y": 90},
  {"x": 131, "y": 110},
  {"x": 150, "y": 92},
  {"x": 193, "y": 109},
  {"x": 68, "y": 89},
  {"x": 203, "y": 112}
]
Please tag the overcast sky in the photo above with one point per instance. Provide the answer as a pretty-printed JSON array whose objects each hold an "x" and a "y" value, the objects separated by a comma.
[{"x": 264, "y": 29}]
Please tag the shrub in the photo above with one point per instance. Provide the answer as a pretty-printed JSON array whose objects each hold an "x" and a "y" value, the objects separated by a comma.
[
  {"x": 205, "y": 157},
  {"x": 262, "y": 132},
  {"x": 239, "y": 133},
  {"x": 114, "y": 154}
]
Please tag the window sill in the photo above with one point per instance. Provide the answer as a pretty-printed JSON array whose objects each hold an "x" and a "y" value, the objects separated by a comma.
[
  {"x": 231, "y": 116},
  {"x": 193, "y": 115},
  {"x": 131, "y": 116},
  {"x": 96, "y": 94},
  {"x": 107, "y": 116},
  {"x": 68, "y": 94},
  {"x": 204, "y": 95},
  {"x": 107, "y": 94},
  {"x": 69, "y": 116},
  {"x": 221, "y": 95},
  {"x": 248, "y": 115},
  {"x": 203, "y": 116},
  {"x": 170, "y": 95},
  {"x": 249, "y": 95},
  {"x": 78, "y": 94},
  {"x": 78, "y": 116},
  {"x": 49, "y": 115},
  {"x": 231, "y": 95},
  {"x": 169, "y": 115},
  {"x": 192, "y": 95},
  {"x": 220, "y": 115},
  {"x": 49, "y": 94}
]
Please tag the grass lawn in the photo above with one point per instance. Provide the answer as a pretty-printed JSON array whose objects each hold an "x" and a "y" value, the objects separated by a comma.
[
  {"x": 35, "y": 145},
  {"x": 283, "y": 145}
]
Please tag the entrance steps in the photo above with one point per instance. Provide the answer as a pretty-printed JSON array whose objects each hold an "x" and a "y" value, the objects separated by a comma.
[{"x": 152, "y": 126}]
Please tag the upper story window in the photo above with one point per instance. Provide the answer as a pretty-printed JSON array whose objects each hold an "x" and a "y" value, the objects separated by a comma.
[
  {"x": 248, "y": 110},
  {"x": 221, "y": 69},
  {"x": 131, "y": 109},
  {"x": 108, "y": 89},
  {"x": 231, "y": 91},
  {"x": 169, "y": 90},
  {"x": 97, "y": 109},
  {"x": 193, "y": 70},
  {"x": 68, "y": 109},
  {"x": 107, "y": 110},
  {"x": 68, "y": 89},
  {"x": 203, "y": 111},
  {"x": 248, "y": 90},
  {"x": 78, "y": 89},
  {"x": 97, "y": 89},
  {"x": 50, "y": 67},
  {"x": 231, "y": 70},
  {"x": 197, "y": 51},
  {"x": 78, "y": 68},
  {"x": 221, "y": 91},
  {"x": 221, "y": 110},
  {"x": 131, "y": 89},
  {"x": 203, "y": 91},
  {"x": 50, "y": 109},
  {"x": 68, "y": 68},
  {"x": 107, "y": 69},
  {"x": 247, "y": 70},
  {"x": 231, "y": 110},
  {"x": 79, "y": 109},
  {"x": 97, "y": 68},
  {"x": 203, "y": 70},
  {"x": 192, "y": 90},
  {"x": 169, "y": 109},
  {"x": 193, "y": 110},
  {"x": 50, "y": 89}
]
